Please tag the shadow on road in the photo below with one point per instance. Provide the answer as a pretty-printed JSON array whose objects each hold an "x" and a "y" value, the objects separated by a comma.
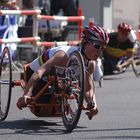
[{"x": 33, "y": 127}]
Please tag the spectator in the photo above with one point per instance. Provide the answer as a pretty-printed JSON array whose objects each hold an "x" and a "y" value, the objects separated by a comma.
[
  {"x": 8, "y": 26},
  {"x": 68, "y": 8}
]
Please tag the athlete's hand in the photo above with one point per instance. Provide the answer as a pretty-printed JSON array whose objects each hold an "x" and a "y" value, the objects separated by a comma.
[{"x": 119, "y": 68}]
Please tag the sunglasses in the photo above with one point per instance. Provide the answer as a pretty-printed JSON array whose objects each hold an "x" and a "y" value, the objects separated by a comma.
[{"x": 98, "y": 46}]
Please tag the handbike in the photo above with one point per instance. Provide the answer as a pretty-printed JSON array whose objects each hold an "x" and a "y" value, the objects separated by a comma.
[
  {"x": 67, "y": 86},
  {"x": 135, "y": 63}
]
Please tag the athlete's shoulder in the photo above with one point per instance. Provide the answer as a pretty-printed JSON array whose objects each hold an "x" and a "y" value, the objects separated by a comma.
[{"x": 112, "y": 34}]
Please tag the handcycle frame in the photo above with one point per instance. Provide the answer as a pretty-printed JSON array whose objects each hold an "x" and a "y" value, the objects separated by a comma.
[{"x": 68, "y": 103}]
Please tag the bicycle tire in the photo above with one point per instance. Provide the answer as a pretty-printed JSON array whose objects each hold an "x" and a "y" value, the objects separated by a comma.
[
  {"x": 136, "y": 61},
  {"x": 75, "y": 61},
  {"x": 5, "y": 83}
]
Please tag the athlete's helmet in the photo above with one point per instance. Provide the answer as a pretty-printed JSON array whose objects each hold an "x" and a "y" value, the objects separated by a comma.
[
  {"x": 124, "y": 27},
  {"x": 95, "y": 34}
]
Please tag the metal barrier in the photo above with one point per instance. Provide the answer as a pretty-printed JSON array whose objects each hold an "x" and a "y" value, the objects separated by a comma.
[
  {"x": 36, "y": 17},
  {"x": 58, "y": 43}
]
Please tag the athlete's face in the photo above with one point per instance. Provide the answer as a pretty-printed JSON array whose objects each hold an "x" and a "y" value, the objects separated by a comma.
[
  {"x": 91, "y": 52},
  {"x": 122, "y": 36}
]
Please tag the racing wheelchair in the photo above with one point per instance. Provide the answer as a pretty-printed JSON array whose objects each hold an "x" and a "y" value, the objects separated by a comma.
[{"x": 66, "y": 84}]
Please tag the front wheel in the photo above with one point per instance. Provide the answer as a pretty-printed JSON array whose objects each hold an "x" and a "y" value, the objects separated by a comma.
[
  {"x": 5, "y": 83},
  {"x": 73, "y": 103},
  {"x": 136, "y": 60}
]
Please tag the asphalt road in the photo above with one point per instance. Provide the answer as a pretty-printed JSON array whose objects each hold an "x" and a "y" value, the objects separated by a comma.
[{"x": 118, "y": 118}]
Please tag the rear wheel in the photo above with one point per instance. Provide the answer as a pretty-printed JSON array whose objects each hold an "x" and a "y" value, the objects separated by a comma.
[
  {"x": 72, "y": 103},
  {"x": 5, "y": 83}
]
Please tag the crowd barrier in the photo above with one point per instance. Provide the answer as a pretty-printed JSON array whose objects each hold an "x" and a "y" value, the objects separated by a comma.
[
  {"x": 19, "y": 12},
  {"x": 38, "y": 17},
  {"x": 20, "y": 40},
  {"x": 36, "y": 40},
  {"x": 58, "y": 43}
]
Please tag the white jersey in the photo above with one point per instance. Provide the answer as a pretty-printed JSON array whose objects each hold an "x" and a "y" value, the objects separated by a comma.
[
  {"x": 49, "y": 53},
  {"x": 67, "y": 49}
]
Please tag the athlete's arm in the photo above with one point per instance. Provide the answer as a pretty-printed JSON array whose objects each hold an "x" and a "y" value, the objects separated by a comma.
[
  {"x": 90, "y": 88},
  {"x": 59, "y": 59},
  {"x": 126, "y": 63}
]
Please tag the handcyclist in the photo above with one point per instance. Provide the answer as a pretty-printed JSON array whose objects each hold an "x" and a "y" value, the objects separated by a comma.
[
  {"x": 94, "y": 41},
  {"x": 120, "y": 48}
]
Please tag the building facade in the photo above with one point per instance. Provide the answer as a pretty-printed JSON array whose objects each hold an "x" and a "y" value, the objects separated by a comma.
[{"x": 109, "y": 13}]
